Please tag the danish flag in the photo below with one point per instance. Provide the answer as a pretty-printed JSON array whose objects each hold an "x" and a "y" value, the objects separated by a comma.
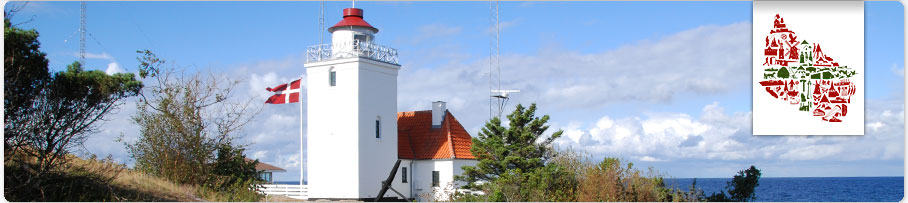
[{"x": 285, "y": 93}]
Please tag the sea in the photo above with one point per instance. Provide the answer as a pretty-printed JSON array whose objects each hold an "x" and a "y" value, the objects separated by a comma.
[
  {"x": 807, "y": 189},
  {"x": 811, "y": 189}
]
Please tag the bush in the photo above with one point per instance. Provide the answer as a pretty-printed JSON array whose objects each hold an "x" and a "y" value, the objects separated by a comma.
[
  {"x": 221, "y": 190},
  {"x": 612, "y": 181},
  {"x": 571, "y": 176}
]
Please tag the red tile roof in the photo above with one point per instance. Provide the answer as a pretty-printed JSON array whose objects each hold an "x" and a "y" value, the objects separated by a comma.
[
  {"x": 262, "y": 166},
  {"x": 416, "y": 139}
]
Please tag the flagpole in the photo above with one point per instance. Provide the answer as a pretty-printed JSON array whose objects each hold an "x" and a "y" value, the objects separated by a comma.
[{"x": 302, "y": 165}]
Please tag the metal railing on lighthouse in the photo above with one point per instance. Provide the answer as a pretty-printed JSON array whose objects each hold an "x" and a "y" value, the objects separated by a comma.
[{"x": 355, "y": 48}]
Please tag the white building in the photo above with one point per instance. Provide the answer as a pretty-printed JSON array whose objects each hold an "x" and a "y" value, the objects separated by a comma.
[{"x": 353, "y": 133}]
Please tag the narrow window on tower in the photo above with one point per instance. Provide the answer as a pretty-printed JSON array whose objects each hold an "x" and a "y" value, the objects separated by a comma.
[
  {"x": 435, "y": 179},
  {"x": 378, "y": 128},
  {"x": 403, "y": 174},
  {"x": 332, "y": 77}
]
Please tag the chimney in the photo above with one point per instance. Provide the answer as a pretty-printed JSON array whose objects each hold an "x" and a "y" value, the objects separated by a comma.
[{"x": 438, "y": 113}]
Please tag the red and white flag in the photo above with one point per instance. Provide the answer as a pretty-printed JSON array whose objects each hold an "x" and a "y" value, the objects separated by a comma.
[{"x": 285, "y": 93}]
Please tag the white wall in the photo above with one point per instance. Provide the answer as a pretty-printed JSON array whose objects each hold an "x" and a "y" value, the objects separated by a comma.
[
  {"x": 333, "y": 142},
  {"x": 345, "y": 159},
  {"x": 342, "y": 39},
  {"x": 447, "y": 168},
  {"x": 458, "y": 163},
  {"x": 377, "y": 99},
  {"x": 422, "y": 176},
  {"x": 399, "y": 185}
]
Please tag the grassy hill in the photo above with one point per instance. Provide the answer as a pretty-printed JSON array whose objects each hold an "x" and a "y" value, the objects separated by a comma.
[{"x": 93, "y": 180}]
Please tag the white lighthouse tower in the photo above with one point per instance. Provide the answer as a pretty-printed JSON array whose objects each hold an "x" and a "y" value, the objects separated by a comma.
[{"x": 352, "y": 112}]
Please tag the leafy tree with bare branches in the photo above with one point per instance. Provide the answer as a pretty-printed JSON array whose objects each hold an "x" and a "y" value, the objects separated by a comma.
[
  {"x": 48, "y": 114},
  {"x": 185, "y": 120}
]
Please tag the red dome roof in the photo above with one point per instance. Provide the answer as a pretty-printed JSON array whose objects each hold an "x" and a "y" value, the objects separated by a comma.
[{"x": 353, "y": 17}]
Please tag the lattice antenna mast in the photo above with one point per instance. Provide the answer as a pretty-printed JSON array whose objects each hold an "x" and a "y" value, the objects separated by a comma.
[
  {"x": 498, "y": 98},
  {"x": 494, "y": 52},
  {"x": 82, "y": 35},
  {"x": 321, "y": 23}
]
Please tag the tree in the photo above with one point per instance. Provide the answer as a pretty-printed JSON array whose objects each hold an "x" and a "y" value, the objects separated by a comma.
[
  {"x": 47, "y": 114},
  {"x": 741, "y": 188},
  {"x": 68, "y": 108},
  {"x": 233, "y": 175},
  {"x": 232, "y": 164},
  {"x": 25, "y": 74},
  {"x": 185, "y": 120},
  {"x": 513, "y": 160}
]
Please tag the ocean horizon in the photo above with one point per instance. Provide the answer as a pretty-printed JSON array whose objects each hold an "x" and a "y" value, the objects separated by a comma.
[
  {"x": 810, "y": 189},
  {"x": 800, "y": 189}
]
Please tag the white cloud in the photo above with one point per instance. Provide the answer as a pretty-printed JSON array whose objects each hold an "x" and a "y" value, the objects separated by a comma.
[
  {"x": 97, "y": 56},
  {"x": 719, "y": 136},
  {"x": 119, "y": 122},
  {"x": 707, "y": 60},
  {"x": 875, "y": 125},
  {"x": 812, "y": 152},
  {"x": 659, "y": 136},
  {"x": 434, "y": 32},
  {"x": 502, "y": 25},
  {"x": 650, "y": 159},
  {"x": 259, "y": 154},
  {"x": 114, "y": 68},
  {"x": 276, "y": 129},
  {"x": 898, "y": 71},
  {"x": 258, "y": 84}
]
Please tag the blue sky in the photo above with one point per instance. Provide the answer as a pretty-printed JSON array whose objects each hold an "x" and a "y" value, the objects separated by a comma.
[{"x": 616, "y": 76}]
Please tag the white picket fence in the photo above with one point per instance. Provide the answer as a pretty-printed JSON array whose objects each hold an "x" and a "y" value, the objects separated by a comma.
[{"x": 292, "y": 191}]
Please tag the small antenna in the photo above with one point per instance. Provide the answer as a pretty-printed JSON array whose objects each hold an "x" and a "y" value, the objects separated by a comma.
[
  {"x": 503, "y": 97},
  {"x": 354, "y": 4}
]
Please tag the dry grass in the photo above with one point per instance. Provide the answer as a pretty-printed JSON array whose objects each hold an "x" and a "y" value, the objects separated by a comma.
[
  {"x": 104, "y": 180},
  {"x": 156, "y": 186},
  {"x": 142, "y": 186}
]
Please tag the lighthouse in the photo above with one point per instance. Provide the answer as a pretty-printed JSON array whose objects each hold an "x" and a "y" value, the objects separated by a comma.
[{"x": 352, "y": 112}]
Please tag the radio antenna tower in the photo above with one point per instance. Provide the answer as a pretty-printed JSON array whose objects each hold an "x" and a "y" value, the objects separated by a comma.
[
  {"x": 321, "y": 22},
  {"x": 82, "y": 35},
  {"x": 498, "y": 98},
  {"x": 494, "y": 77}
]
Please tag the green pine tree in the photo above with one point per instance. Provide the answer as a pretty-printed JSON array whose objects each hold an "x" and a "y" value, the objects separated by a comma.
[{"x": 516, "y": 155}]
